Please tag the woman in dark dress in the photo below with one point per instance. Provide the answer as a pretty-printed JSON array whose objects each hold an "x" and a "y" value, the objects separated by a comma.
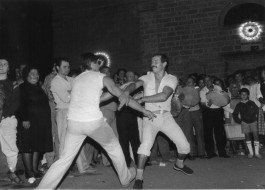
[{"x": 34, "y": 127}]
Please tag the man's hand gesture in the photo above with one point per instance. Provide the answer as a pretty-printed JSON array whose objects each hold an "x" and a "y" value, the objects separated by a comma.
[{"x": 149, "y": 114}]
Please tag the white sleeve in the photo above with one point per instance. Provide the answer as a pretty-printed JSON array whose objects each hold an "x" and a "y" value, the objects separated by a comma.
[{"x": 259, "y": 95}]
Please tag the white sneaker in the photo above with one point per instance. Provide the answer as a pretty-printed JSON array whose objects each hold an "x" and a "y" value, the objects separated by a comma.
[
  {"x": 250, "y": 156},
  {"x": 258, "y": 156},
  {"x": 31, "y": 180}
]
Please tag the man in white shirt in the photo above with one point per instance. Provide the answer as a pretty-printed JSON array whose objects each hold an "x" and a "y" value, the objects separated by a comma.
[
  {"x": 61, "y": 87},
  {"x": 86, "y": 119},
  {"x": 158, "y": 90}
]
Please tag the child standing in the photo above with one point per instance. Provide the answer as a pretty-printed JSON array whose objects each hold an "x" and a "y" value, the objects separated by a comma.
[{"x": 248, "y": 112}]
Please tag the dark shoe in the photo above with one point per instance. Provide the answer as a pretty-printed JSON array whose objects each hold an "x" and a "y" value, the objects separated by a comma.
[
  {"x": 148, "y": 164},
  {"x": 44, "y": 168},
  {"x": 186, "y": 170},
  {"x": 202, "y": 157},
  {"x": 224, "y": 156},
  {"x": 14, "y": 177},
  {"x": 29, "y": 174},
  {"x": 38, "y": 175},
  {"x": 191, "y": 157},
  {"x": 210, "y": 156},
  {"x": 138, "y": 184}
]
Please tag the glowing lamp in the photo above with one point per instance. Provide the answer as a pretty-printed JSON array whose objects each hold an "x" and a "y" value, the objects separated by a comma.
[
  {"x": 103, "y": 58},
  {"x": 250, "y": 31}
]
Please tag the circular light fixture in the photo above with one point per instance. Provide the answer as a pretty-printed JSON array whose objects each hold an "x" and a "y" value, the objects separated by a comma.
[
  {"x": 250, "y": 31},
  {"x": 104, "y": 58}
]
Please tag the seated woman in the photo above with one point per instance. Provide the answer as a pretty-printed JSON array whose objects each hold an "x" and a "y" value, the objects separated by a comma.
[{"x": 34, "y": 123}]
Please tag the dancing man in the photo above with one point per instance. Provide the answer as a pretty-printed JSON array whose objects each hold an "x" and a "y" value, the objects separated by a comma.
[
  {"x": 86, "y": 119},
  {"x": 159, "y": 87}
]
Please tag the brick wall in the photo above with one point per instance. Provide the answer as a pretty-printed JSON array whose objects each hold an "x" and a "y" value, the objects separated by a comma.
[{"x": 190, "y": 32}]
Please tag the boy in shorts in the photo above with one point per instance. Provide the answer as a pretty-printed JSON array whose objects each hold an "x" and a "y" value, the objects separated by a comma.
[{"x": 246, "y": 113}]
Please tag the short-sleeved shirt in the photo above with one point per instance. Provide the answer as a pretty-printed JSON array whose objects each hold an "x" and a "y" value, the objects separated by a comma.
[
  {"x": 61, "y": 90},
  {"x": 85, "y": 97},
  {"x": 150, "y": 89}
]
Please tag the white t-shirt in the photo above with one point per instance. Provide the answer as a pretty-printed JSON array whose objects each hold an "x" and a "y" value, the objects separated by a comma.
[
  {"x": 85, "y": 97},
  {"x": 149, "y": 90}
]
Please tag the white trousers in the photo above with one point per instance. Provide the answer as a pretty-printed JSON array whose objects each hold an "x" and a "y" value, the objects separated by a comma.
[
  {"x": 8, "y": 140},
  {"x": 98, "y": 130},
  {"x": 61, "y": 120},
  {"x": 167, "y": 125}
]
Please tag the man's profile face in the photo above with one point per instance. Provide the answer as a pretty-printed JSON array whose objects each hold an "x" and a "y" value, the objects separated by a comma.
[
  {"x": 157, "y": 64},
  {"x": 4, "y": 66},
  {"x": 64, "y": 69}
]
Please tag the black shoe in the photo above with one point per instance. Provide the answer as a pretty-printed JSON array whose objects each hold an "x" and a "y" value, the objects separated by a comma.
[
  {"x": 191, "y": 157},
  {"x": 202, "y": 157},
  {"x": 186, "y": 170},
  {"x": 210, "y": 156},
  {"x": 138, "y": 184},
  {"x": 14, "y": 178},
  {"x": 224, "y": 156},
  {"x": 38, "y": 175}
]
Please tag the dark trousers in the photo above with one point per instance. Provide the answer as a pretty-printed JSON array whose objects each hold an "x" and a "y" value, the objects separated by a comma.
[
  {"x": 127, "y": 127},
  {"x": 197, "y": 121},
  {"x": 185, "y": 122},
  {"x": 214, "y": 125}
]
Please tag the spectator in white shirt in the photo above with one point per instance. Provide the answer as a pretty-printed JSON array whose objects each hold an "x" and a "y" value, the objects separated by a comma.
[{"x": 61, "y": 87}]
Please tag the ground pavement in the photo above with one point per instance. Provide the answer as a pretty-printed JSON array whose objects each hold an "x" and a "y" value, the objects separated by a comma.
[{"x": 237, "y": 172}]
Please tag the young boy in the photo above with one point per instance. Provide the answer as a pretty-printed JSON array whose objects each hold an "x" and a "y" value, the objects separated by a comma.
[{"x": 248, "y": 112}]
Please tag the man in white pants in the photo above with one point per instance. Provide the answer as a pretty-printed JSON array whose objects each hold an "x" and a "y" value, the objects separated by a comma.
[
  {"x": 158, "y": 90},
  {"x": 86, "y": 119},
  {"x": 8, "y": 124}
]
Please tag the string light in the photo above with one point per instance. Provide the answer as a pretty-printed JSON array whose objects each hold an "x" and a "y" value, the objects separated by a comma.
[
  {"x": 250, "y": 31},
  {"x": 106, "y": 56}
]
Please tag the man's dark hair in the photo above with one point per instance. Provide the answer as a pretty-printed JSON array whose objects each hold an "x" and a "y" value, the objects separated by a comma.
[
  {"x": 87, "y": 59},
  {"x": 163, "y": 57},
  {"x": 58, "y": 61},
  {"x": 121, "y": 69},
  {"x": 244, "y": 90}
]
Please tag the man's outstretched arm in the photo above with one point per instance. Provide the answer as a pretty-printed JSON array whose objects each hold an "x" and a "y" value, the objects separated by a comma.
[
  {"x": 159, "y": 97},
  {"x": 116, "y": 91}
]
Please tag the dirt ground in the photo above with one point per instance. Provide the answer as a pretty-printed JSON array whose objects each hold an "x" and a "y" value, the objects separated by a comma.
[{"x": 237, "y": 172}]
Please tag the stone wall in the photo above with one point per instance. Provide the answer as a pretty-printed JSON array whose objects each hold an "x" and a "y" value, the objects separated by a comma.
[{"x": 190, "y": 32}]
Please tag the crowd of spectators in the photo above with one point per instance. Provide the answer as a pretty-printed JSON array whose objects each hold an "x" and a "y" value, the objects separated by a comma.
[{"x": 36, "y": 115}]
